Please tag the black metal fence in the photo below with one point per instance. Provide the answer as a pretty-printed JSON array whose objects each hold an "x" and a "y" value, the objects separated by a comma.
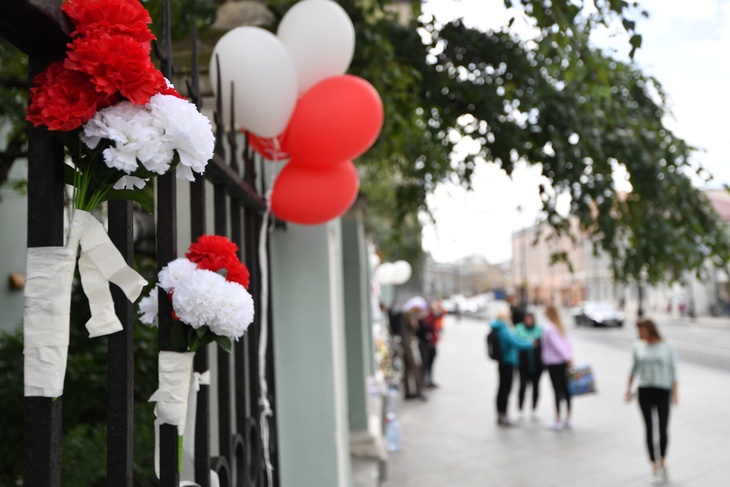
[{"x": 39, "y": 29}]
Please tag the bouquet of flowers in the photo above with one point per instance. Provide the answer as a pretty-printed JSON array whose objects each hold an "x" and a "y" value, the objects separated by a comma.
[
  {"x": 122, "y": 123},
  {"x": 120, "y": 119},
  {"x": 208, "y": 290},
  {"x": 210, "y": 303}
]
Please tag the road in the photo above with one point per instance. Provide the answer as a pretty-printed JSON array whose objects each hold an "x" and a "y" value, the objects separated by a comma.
[
  {"x": 452, "y": 440},
  {"x": 696, "y": 342}
]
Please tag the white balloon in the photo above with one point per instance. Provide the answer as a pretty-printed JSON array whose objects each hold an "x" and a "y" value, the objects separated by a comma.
[
  {"x": 401, "y": 272},
  {"x": 384, "y": 273},
  {"x": 321, "y": 38},
  {"x": 264, "y": 77}
]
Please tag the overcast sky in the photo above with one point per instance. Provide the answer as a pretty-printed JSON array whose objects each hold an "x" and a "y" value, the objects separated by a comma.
[{"x": 685, "y": 46}]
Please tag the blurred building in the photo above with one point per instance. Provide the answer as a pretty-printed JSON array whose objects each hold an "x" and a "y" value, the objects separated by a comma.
[
  {"x": 468, "y": 276},
  {"x": 588, "y": 275}
]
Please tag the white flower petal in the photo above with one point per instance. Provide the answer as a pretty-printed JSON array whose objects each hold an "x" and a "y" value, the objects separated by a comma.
[
  {"x": 148, "y": 308},
  {"x": 174, "y": 272}
]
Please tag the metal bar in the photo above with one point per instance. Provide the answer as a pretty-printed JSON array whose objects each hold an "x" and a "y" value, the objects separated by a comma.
[
  {"x": 42, "y": 442},
  {"x": 166, "y": 252},
  {"x": 202, "y": 361},
  {"x": 219, "y": 172},
  {"x": 223, "y": 358},
  {"x": 120, "y": 352},
  {"x": 239, "y": 350},
  {"x": 36, "y": 27},
  {"x": 252, "y": 229}
]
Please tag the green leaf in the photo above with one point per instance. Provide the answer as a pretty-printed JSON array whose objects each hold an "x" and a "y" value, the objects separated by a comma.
[
  {"x": 224, "y": 342},
  {"x": 144, "y": 198}
]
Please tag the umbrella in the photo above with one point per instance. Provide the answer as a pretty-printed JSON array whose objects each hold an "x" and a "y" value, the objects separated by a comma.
[{"x": 416, "y": 302}]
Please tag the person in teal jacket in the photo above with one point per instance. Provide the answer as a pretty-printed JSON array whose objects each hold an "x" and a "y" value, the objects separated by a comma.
[
  {"x": 510, "y": 345},
  {"x": 530, "y": 363}
]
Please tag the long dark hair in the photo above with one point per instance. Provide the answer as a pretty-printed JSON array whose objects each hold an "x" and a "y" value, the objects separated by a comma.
[{"x": 650, "y": 328}]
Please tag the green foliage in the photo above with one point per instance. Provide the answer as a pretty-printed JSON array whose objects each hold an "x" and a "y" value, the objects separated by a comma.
[
  {"x": 554, "y": 101},
  {"x": 182, "y": 13}
]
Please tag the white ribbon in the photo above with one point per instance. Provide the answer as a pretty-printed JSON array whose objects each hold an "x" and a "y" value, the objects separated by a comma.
[
  {"x": 49, "y": 275},
  {"x": 171, "y": 396},
  {"x": 197, "y": 379}
]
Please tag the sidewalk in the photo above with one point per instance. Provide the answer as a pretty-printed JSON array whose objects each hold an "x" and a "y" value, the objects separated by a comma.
[{"x": 452, "y": 440}]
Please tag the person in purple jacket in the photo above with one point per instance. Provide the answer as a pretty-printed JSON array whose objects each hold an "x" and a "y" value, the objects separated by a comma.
[{"x": 557, "y": 355}]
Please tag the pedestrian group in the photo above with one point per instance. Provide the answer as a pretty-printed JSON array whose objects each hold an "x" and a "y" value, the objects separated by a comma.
[{"x": 527, "y": 349}]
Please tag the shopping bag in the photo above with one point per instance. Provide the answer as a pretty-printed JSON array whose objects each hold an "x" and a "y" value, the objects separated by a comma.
[{"x": 581, "y": 380}]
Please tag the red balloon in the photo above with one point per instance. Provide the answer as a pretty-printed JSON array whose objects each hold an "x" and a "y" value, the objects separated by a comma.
[
  {"x": 310, "y": 195},
  {"x": 336, "y": 120},
  {"x": 270, "y": 148}
]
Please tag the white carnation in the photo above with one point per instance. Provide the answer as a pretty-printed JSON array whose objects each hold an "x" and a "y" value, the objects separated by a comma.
[
  {"x": 134, "y": 134},
  {"x": 196, "y": 297},
  {"x": 130, "y": 182},
  {"x": 174, "y": 272},
  {"x": 234, "y": 311},
  {"x": 186, "y": 130},
  {"x": 148, "y": 308}
]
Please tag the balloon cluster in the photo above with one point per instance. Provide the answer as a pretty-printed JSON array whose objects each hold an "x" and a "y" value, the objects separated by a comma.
[{"x": 292, "y": 97}]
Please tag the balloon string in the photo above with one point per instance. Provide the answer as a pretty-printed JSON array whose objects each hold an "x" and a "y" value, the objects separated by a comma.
[{"x": 266, "y": 411}]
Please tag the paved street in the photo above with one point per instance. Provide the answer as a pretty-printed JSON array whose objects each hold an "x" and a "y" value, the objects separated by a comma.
[{"x": 452, "y": 440}]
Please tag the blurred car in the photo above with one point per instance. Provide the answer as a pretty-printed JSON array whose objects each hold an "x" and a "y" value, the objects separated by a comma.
[{"x": 596, "y": 313}]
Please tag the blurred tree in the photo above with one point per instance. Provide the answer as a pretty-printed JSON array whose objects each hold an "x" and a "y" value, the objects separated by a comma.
[{"x": 554, "y": 101}]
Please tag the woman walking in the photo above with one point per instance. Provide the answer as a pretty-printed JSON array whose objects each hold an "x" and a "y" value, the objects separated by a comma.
[
  {"x": 530, "y": 363},
  {"x": 557, "y": 355},
  {"x": 655, "y": 364}
]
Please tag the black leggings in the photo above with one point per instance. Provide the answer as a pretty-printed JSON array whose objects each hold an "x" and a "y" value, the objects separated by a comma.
[
  {"x": 506, "y": 374},
  {"x": 529, "y": 374},
  {"x": 559, "y": 378},
  {"x": 651, "y": 398}
]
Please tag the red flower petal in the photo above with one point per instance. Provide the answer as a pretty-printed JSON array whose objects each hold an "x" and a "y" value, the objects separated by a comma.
[
  {"x": 63, "y": 100},
  {"x": 116, "y": 63},
  {"x": 125, "y": 17}
]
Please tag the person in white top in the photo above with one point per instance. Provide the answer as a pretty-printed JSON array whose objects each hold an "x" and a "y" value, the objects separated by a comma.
[{"x": 655, "y": 364}]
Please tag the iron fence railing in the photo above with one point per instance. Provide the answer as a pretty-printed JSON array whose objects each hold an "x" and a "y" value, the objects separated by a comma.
[{"x": 40, "y": 29}]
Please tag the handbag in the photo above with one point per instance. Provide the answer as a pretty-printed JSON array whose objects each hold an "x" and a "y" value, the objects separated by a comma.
[{"x": 581, "y": 380}]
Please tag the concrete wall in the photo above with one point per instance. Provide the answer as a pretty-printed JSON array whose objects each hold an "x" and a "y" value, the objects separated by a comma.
[
  {"x": 13, "y": 240},
  {"x": 310, "y": 362}
]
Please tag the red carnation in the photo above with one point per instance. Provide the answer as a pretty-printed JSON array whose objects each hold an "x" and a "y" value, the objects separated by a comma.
[
  {"x": 116, "y": 64},
  {"x": 64, "y": 100},
  {"x": 213, "y": 253},
  {"x": 237, "y": 272},
  {"x": 125, "y": 17}
]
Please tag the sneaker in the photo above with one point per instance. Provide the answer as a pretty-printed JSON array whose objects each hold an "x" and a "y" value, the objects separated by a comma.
[
  {"x": 519, "y": 415},
  {"x": 566, "y": 424},
  {"x": 535, "y": 417},
  {"x": 555, "y": 425},
  {"x": 656, "y": 478},
  {"x": 663, "y": 475}
]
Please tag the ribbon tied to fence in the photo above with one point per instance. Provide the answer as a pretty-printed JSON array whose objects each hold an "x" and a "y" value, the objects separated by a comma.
[{"x": 49, "y": 277}]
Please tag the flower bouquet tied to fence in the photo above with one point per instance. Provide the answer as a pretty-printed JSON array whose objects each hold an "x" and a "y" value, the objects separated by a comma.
[
  {"x": 121, "y": 120},
  {"x": 208, "y": 291},
  {"x": 210, "y": 303},
  {"x": 122, "y": 123}
]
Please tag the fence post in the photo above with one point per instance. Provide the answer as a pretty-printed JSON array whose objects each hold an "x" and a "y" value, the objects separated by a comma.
[{"x": 42, "y": 424}]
